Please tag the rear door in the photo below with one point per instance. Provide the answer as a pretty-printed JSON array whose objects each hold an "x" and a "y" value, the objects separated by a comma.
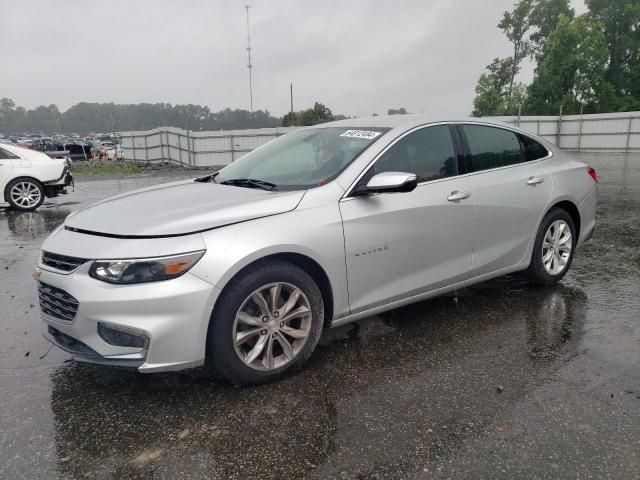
[
  {"x": 510, "y": 190},
  {"x": 7, "y": 162},
  {"x": 399, "y": 245}
]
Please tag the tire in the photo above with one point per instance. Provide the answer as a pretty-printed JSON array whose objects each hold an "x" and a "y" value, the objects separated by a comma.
[
  {"x": 17, "y": 190},
  {"x": 297, "y": 291},
  {"x": 551, "y": 259}
]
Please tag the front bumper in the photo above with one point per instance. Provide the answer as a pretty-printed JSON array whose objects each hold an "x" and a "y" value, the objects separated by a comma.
[{"x": 172, "y": 315}]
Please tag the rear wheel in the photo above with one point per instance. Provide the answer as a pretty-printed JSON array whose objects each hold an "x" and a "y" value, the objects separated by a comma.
[
  {"x": 24, "y": 194},
  {"x": 553, "y": 249},
  {"x": 266, "y": 324}
]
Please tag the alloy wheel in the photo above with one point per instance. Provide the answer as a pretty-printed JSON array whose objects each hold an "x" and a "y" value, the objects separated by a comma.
[
  {"x": 556, "y": 247},
  {"x": 272, "y": 326},
  {"x": 25, "y": 194}
]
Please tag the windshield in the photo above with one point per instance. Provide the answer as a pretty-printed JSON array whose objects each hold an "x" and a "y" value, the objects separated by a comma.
[{"x": 302, "y": 159}]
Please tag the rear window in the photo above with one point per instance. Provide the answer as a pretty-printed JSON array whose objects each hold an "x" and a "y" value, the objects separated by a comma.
[
  {"x": 532, "y": 150},
  {"x": 6, "y": 154},
  {"x": 491, "y": 147}
]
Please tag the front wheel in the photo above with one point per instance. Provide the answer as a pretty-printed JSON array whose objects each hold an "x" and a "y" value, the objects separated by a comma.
[
  {"x": 266, "y": 324},
  {"x": 25, "y": 194},
  {"x": 553, "y": 249}
]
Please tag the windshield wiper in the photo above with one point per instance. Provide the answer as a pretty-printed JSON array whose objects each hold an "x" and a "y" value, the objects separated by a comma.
[{"x": 249, "y": 183}]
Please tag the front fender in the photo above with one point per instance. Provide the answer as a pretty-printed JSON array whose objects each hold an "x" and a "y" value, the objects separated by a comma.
[{"x": 313, "y": 232}]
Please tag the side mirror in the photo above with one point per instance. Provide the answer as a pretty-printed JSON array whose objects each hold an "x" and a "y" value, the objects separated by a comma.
[{"x": 389, "y": 182}]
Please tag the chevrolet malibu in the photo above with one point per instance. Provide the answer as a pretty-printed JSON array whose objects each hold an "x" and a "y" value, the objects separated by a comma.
[{"x": 241, "y": 270}]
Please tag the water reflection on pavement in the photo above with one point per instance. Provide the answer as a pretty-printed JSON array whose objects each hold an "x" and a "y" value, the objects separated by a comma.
[{"x": 499, "y": 380}]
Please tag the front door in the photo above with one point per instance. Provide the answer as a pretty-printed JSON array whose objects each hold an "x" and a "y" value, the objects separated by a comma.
[{"x": 399, "y": 245}]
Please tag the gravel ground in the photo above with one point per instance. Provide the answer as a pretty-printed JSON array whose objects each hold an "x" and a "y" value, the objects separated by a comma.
[{"x": 500, "y": 381}]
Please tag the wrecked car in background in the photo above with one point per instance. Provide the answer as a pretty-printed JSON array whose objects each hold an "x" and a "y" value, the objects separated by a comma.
[{"x": 28, "y": 176}]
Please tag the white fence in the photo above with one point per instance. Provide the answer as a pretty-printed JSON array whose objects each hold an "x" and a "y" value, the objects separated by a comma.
[
  {"x": 602, "y": 132},
  {"x": 195, "y": 149},
  {"x": 606, "y": 132}
]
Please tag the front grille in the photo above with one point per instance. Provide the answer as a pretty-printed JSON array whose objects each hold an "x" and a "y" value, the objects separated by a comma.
[
  {"x": 57, "y": 303},
  {"x": 62, "y": 262}
]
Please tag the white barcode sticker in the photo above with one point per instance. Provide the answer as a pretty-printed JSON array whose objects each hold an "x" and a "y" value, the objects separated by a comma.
[{"x": 360, "y": 134}]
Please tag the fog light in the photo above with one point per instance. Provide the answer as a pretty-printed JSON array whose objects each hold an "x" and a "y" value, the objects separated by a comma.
[{"x": 120, "y": 336}]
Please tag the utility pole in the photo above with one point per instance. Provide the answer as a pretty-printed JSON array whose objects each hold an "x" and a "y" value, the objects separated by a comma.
[
  {"x": 291, "y": 96},
  {"x": 249, "y": 66}
]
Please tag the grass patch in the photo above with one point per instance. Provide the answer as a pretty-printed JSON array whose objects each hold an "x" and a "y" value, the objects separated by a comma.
[{"x": 104, "y": 169}]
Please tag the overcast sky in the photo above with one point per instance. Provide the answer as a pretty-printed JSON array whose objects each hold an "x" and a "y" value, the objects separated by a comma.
[{"x": 357, "y": 57}]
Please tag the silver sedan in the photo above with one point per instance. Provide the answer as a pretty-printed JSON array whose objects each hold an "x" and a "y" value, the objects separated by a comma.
[{"x": 241, "y": 270}]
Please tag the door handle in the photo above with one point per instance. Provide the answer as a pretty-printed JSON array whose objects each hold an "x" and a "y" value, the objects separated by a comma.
[
  {"x": 456, "y": 195},
  {"x": 535, "y": 180}
]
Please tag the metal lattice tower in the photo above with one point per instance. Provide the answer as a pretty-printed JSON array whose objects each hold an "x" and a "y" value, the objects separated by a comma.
[{"x": 249, "y": 66}]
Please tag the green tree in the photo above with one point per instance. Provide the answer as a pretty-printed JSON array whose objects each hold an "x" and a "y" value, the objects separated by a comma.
[
  {"x": 517, "y": 100},
  {"x": 319, "y": 113},
  {"x": 571, "y": 70},
  {"x": 398, "y": 111},
  {"x": 104, "y": 117},
  {"x": 634, "y": 80},
  {"x": 515, "y": 25},
  {"x": 488, "y": 100},
  {"x": 621, "y": 24},
  {"x": 289, "y": 120},
  {"x": 570, "y": 59},
  {"x": 492, "y": 88},
  {"x": 44, "y": 119},
  {"x": 500, "y": 72},
  {"x": 6, "y": 111},
  {"x": 544, "y": 19}
]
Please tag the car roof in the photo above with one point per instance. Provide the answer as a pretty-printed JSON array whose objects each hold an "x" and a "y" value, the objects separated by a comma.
[
  {"x": 407, "y": 121},
  {"x": 401, "y": 123}
]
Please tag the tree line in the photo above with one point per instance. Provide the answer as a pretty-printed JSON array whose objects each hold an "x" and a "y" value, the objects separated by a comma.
[
  {"x": 586, "y": 63},
  {"x": 86, "y": 117}
]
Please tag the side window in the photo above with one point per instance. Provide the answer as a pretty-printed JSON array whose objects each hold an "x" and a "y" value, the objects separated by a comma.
[
  {"x": 427, "y": 152},
  {"x": 532, "y": 150},
  {"x": 6, "y": 154},
  {"x": 491, "y": 147}
]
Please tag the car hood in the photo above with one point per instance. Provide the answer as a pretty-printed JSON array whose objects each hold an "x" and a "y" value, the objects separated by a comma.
[{"x": 179, "y": 208}]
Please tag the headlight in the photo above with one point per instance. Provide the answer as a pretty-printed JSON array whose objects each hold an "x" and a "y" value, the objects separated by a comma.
[{"x": 142, "y": 270}]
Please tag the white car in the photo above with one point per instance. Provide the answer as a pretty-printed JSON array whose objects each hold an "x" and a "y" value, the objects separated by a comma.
[
  {"x": 115, "y": 153},
  {"x": 28, "y": 176}
]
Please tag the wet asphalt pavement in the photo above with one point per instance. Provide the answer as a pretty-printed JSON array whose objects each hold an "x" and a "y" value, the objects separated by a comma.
[{"x": 500, "y": 381}]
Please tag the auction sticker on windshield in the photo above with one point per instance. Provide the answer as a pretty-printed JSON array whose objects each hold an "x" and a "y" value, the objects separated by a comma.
[{"x": 360, "y": 134}]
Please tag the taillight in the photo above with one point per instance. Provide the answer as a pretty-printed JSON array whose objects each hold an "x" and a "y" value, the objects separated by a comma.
[{"x": 593, "y": 174}]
